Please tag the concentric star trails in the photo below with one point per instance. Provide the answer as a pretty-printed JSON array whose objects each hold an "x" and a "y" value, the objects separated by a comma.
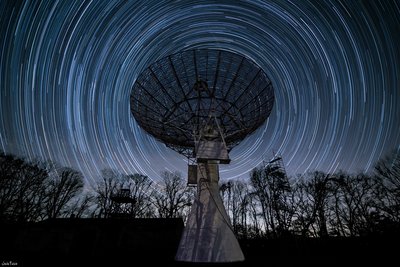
[{"x": 68, "y": 67}]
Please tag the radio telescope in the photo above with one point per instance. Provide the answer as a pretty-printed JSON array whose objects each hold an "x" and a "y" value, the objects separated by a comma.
[{"x": 202, "y": 103}]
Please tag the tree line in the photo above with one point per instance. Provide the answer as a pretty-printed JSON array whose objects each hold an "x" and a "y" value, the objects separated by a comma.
[
  {"x": 35, "y": 191},
  {"x": 267, "y": 205},
  {"x": 316, "y": 204}
]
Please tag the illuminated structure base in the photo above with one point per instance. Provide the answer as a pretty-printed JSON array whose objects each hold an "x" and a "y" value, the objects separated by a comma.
[{"x": 208, "y": 235}]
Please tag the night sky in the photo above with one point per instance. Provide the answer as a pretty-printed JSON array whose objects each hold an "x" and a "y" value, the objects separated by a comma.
[{"x": 68, "y": 67}]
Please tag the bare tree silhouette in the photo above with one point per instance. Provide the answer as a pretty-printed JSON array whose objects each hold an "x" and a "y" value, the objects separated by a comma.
[
  {"x": 312, "y": 195},
  {"x": 142, "y": 192},
  {"x": 318, "y": 188},
  {"x": 33, "y": 191},
  {"x": 10, "y": 167},
  {"x": 352, "y": 202},
  {"x": 272, "y": 189},
  {"x": 62, "y": 186},
  {"x": 387, "y": 175},
  {"x": 106, "y": 187},
  {"x": 22, "y": 189},
  {"x": 236, "y": 196},
  {"x": 83, "y": 205},
  {"x": 174, "y": 197}
]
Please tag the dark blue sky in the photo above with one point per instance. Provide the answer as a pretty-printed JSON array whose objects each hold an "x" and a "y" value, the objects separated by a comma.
[{"x": 67, "y": 69}]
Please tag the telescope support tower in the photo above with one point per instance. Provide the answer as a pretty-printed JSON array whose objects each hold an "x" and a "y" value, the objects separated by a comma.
[{"x": 208, "y": 235}]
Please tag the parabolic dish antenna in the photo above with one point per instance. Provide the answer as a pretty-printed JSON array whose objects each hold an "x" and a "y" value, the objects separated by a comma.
[
  {"x": 174, "y": 98},
  {"x": 202, "y": 103}
]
